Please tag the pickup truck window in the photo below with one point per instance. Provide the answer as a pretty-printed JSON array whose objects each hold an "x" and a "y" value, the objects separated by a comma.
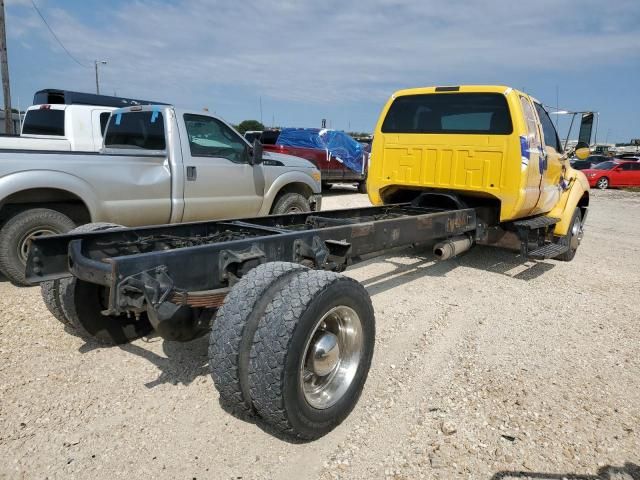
[
  {"x": 44, "y": 121},
  {"x": 144, "y": 130},
  {"x": 466, "y": 113},
  {"x": 549, "y": 131},
  {"x": 532, "y": 124},
  {"x": 209, "y": 137},
  {"x": 104, "y": 119}
]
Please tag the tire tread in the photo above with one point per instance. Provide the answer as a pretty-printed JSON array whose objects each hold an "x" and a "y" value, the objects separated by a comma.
[
  {"x": 234, "y": 321},
  {"x": 272, "y": 342}
]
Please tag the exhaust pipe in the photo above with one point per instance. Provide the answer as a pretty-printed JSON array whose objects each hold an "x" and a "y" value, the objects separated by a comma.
[{"x": 452, "y": 247}]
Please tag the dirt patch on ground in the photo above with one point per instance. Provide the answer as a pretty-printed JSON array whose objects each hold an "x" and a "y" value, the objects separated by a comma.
[{"x": 485, "y": 367}]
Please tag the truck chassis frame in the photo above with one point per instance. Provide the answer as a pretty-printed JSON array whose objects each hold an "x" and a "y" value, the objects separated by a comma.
[
  {"x": 291, "y": 340},
  {"x": 206, "y": 258}
]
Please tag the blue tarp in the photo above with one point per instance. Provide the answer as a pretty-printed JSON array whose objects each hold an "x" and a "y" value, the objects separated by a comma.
[{"x": 337, "y": 144}]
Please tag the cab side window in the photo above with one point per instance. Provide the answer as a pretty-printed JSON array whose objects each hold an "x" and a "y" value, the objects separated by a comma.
[
  {"x": 548, "y": 130},
  {"x": 104, "y": 119},
  {"x": 209, "y": 137},
  {"x": 532, "y": 124}
]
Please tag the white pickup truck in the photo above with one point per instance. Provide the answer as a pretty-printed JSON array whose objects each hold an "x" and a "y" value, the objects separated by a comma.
[
  {"x": 158, "y": 165},
  {"x": 71, "y": 128}
]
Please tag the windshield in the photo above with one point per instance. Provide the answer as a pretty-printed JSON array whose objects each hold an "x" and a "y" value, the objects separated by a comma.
[
  {"x": 467, "y": 113},
  {"x": 605, "y": 166}
]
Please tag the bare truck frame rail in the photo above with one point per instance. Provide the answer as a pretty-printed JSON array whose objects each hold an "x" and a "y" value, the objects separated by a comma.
[
  {"x": 291, "y": 340},
  {"x": 206, "y": 256}
]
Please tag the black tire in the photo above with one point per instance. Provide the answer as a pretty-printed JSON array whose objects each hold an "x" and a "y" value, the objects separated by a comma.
[
  {"x": 235, "y": 324},
  {"x": 51, "y": 297},
  {"x": 602, "y": 183},
  {"x": 50, "y": 290},
  {"x": 290, "y": 203},
  {"x": 362, "y": 187},
  {"x": 82, "y": 303},
  {"x": 575, "y": 229},
  {"x": 283, "y": 336},
  {"x": 16, "y": 232}
]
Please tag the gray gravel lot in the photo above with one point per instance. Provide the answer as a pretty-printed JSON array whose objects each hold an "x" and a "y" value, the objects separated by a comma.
[{"x": 485, "y": 367}]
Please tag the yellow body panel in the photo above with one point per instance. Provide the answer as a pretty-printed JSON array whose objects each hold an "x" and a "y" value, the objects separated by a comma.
[{"x": 475, "y": 164}]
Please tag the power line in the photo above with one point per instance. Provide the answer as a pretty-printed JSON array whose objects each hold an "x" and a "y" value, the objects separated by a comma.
[{"x": 56, "y": 37}]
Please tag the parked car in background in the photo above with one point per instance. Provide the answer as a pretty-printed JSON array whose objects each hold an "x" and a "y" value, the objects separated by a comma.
[
  {"x": 633, "y": 157},
  {"x": 614, "y": 173},
  {"x": 63, "y": 120},
  {"x": 338, "y": 156},
  {"x": 589, "y": 162},
  {"x": 60, "y": 127},
  {"x": 158, "y": 165}
]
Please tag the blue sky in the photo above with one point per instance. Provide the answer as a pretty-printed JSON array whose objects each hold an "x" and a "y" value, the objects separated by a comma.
[{"x": 333, "y": 59}]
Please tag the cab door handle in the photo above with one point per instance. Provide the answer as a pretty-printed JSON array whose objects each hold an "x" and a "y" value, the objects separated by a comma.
[{"x": 192, "y": 173}]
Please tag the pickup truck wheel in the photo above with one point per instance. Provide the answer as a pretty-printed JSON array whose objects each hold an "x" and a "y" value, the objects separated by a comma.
[
  {"x": 311, "y": 354},
  {"x": 362, "y": 187},
  {"x": 83, "y": 303},
  {"x": 51, "y": 297},
  {"x": 50, "y": 290},
  {"x": 19, "y": 230},
  {"x": 234, "y": 327},
  {"x": 573, "y": 237},
  {"x": 291, "y": 203}
]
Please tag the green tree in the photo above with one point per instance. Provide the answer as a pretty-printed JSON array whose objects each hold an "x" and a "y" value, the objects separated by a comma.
[{"x": 248, "y": 125}]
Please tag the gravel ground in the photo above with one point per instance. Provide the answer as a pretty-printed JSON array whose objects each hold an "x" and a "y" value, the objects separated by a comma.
[{"x": 484, "y": 368}]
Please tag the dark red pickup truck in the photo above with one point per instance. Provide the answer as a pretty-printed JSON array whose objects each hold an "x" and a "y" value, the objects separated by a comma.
[{"x": 326, "y": 159}]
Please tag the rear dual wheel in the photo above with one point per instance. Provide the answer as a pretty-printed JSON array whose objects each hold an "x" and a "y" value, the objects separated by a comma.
[
  {"x": 301, "y": 358},
  {"x": 78, "y": 304}
]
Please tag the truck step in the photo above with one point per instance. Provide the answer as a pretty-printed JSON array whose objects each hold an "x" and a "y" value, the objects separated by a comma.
[
  {"x": 535, "y": 222},
  {"x": 551, "y": 250}
]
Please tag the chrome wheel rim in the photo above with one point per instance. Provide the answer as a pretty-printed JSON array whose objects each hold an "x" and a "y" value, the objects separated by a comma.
[
  {"x": 23, "y": 244},
  {"x": 576, "y": 233},
  {"x": 331, "y": 357},
  {"x": 603, "y": 184}
]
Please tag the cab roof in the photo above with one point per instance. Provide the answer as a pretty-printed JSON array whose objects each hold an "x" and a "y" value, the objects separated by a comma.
[{"x": 455, "y": 89}]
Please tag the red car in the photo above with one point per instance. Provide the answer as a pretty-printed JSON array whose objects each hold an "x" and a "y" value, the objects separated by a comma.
[{"x": 614, "y": 173}]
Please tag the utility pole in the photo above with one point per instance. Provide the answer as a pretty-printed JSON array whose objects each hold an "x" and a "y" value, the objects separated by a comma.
[
  {"x": 4, "y": 68},
  {"x": 95, "y": 62}
]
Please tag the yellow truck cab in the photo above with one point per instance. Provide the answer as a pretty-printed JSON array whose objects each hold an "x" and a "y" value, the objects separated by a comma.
[{"x": 482, "y": 146}]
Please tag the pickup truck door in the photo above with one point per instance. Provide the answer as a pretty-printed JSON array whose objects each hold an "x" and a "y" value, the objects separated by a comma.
[
  {"x": 533, "y": 165},
  {"x": 552, "y": 164},
  {"x": 219, "y": 181}
]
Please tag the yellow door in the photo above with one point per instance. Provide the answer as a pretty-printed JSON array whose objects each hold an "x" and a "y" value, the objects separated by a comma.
[
  {"x": 550, "y": 189},
  {"x": 532, "y": 164}
]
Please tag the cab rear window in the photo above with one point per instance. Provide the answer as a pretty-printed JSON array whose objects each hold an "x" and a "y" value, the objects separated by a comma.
[
  {"x": 466, "y": 113},
  {"x": 140, "y": 130},
  {"x": 44, "y": 121}
]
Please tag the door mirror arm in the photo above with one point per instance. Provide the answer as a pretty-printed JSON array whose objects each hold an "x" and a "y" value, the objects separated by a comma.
[{"x": 255, "y": 155}]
